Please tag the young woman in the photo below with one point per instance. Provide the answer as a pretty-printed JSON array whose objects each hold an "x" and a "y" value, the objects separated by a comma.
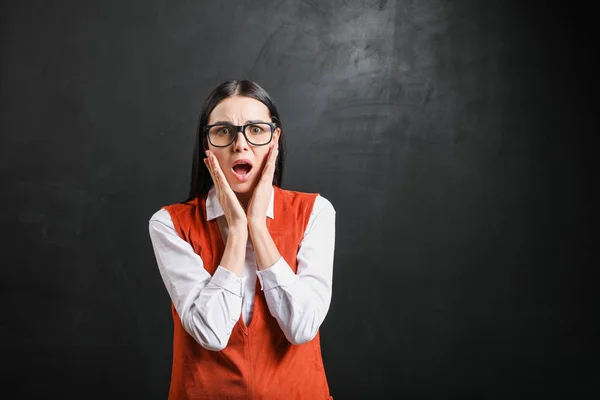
[{"x": 248, "y": 265}]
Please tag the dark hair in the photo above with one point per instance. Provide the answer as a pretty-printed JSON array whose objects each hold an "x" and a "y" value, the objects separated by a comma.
[{"x": 201, "y": 181}]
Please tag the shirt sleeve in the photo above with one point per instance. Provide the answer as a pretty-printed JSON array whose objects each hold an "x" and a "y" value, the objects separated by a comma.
[
  {"x": 208, "y": 306},
  {"x": 299, "y": 302}
]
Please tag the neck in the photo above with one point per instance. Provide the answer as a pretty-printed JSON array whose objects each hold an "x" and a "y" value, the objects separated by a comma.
[{"x": 244, "y": 199}]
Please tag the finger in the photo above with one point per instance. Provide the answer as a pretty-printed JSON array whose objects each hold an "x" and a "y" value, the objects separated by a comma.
[
  {"x": 217, "y": 170},
  {"x": 219, "y": 175},
  {"x": 214, "y": 170},
  {"x": 272, "y": 156},
  {"x": 269, "y": 169},
  {"x": 208, "y": 164}
]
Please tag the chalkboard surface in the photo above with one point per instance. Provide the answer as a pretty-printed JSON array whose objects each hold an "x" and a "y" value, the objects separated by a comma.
[{"x": 457, "y": 142}]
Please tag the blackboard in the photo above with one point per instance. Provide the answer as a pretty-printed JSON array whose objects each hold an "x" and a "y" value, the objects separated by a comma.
[{"x": 457, "y": 142}]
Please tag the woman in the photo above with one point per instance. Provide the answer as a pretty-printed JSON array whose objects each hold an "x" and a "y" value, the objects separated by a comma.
[{"x": 247, "y": 265}]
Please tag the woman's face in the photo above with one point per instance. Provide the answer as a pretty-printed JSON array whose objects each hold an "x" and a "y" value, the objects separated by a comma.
[{"x": 237, "y": 110}]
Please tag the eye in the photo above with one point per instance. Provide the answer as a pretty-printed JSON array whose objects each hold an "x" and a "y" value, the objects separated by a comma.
[
  {"x": 255, "y": 129},
  {"x": 224, "y": 130}
]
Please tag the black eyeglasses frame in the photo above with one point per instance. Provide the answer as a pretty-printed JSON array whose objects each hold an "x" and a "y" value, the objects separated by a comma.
[{"x": 241, "y": 128}]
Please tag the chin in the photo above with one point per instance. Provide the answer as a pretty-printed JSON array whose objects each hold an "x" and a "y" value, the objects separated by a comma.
[{"x": 242, "y": 188}]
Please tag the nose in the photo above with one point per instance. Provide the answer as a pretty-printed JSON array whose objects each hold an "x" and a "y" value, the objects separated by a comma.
[{"x": 240, "y": 144}]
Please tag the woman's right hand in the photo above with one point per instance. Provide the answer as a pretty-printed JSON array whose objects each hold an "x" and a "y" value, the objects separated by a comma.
[{"x": 234, "y": 212}]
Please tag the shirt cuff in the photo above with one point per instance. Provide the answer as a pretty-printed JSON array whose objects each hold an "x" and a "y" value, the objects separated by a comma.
[
  {"x": 229, "y": 281},
  {"x": 279, "y": 274}
]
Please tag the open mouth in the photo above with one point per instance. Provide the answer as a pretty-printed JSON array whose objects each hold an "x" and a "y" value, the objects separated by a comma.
[{"x": 241, "y": 169}]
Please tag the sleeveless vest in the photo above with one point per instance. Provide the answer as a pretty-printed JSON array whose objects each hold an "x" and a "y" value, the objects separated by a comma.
[{"x": 258, "y": 361}]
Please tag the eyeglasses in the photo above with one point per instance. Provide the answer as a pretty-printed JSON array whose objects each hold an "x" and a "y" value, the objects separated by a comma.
[{"x": 256, "y": 133}]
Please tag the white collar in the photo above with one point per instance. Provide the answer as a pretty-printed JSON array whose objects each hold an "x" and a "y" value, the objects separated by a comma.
[{"x": 214, "y": 209}]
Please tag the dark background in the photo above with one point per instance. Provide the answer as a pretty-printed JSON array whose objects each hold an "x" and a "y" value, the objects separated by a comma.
[{"x": 457, "y": 141}]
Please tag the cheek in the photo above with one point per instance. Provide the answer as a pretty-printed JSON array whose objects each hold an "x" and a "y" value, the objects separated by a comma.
[
  {"x": 261, "y": 158},
  {"x": 220, "y": 158}
]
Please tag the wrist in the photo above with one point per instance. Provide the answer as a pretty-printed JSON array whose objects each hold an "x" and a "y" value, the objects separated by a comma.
[
  {"x": 257, "y": 224},
  {"x": 238, "y": 230}
]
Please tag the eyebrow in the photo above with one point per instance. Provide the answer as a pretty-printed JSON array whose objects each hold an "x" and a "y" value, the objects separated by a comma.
[{"x": 229, "y": 123}]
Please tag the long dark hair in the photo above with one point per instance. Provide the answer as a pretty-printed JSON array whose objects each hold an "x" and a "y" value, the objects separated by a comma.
[{"x": 201, "y": 181}]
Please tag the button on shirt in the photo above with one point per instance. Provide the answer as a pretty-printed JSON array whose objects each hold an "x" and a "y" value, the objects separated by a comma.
[{"x": 209, "y": 306}]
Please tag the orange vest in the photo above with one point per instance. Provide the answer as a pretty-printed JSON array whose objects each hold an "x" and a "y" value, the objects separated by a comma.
[{"x": 258, "y": 361}]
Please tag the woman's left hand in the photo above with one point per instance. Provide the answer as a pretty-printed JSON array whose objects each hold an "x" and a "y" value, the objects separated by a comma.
[{"x": 259, "y": 203}]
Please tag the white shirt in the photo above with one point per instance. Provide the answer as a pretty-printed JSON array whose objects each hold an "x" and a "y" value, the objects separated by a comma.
[{"x": 209, "y": 306}]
